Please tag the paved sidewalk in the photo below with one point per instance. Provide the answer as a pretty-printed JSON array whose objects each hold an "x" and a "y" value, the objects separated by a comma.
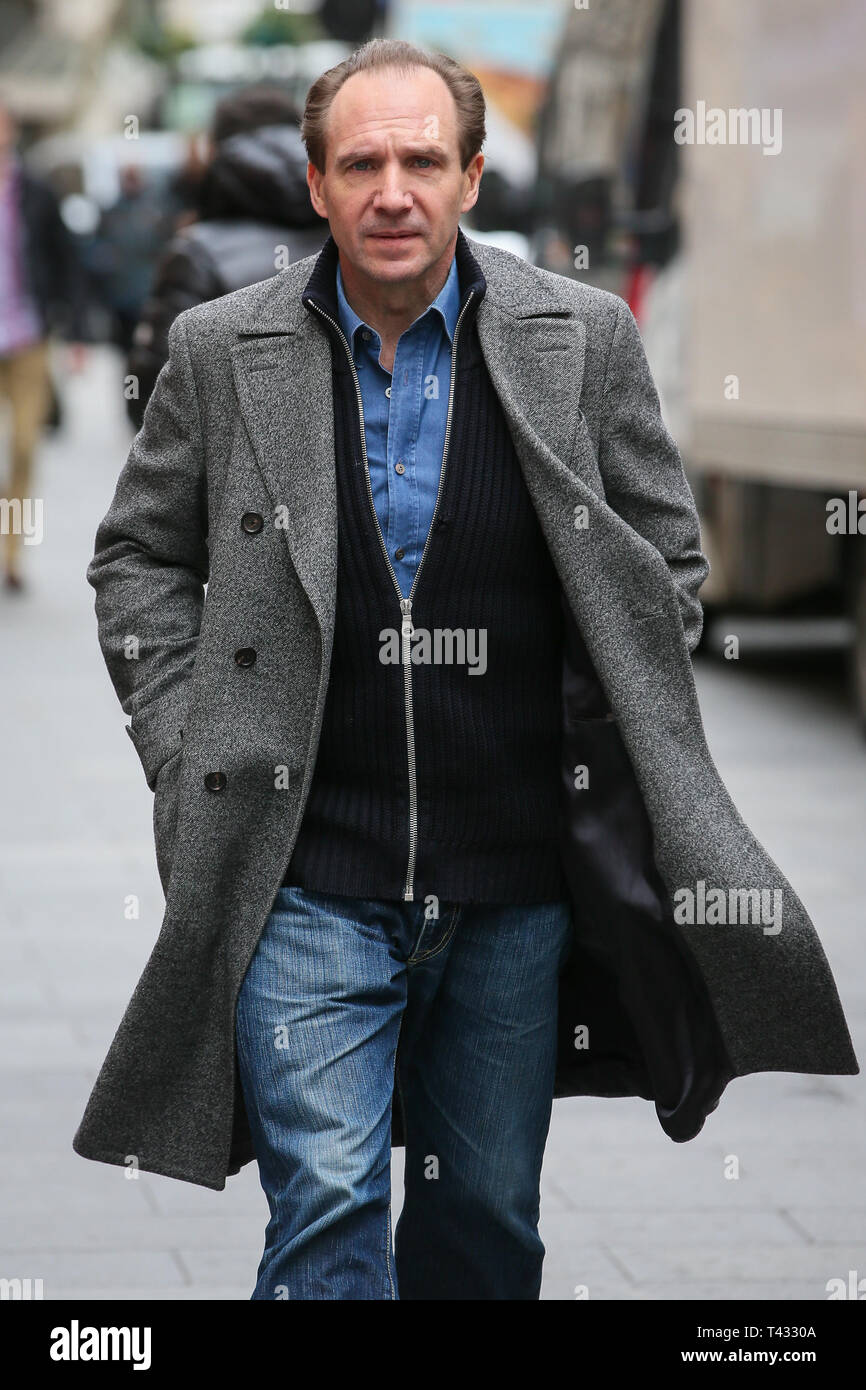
[{"x": 625, "y": 1212}]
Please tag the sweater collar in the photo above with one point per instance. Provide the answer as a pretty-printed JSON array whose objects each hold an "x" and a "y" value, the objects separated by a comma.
[{"x": 321, "y": 288}]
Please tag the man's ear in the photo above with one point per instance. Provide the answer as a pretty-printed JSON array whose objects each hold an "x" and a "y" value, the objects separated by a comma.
[
  {"x": 476, "y": 164},
  {"x": 314, "y": 183}
]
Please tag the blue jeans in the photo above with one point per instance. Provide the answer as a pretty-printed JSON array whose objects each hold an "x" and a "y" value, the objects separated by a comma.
[{"x": 470, "y": 996}]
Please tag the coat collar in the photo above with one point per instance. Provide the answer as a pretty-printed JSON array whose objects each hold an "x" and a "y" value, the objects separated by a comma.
[{"x": 510, "y": 285}]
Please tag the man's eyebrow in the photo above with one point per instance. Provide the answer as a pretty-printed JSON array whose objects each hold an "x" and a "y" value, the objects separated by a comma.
[{"x": 426, "y": 151}]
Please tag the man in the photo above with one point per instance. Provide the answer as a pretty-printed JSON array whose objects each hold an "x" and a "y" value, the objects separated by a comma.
[
  {"x": 41, "y": 288},
  {"x": 428, "y": 764}
]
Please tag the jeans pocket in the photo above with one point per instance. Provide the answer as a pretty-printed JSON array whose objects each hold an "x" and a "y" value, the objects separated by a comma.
[{"x": 434, "y": 935}]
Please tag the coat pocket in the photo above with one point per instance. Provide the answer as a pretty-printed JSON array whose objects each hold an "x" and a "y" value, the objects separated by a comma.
[
  {"x": 157, "y": 727},
  {"x": 165, "y": 805}
]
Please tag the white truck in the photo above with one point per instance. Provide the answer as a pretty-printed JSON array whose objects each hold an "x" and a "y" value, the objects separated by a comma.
[{"x": 755, "y": 322}]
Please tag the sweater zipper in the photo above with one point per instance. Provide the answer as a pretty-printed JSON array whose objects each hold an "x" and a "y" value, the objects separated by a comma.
[{"x": 406, "y": 627}]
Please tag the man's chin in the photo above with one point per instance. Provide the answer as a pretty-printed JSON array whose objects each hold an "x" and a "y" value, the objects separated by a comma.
[{"x": 397, "y": 255}]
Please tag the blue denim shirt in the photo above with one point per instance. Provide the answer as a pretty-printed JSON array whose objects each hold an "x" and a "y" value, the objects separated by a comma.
[{"x": 405, "y": 413}]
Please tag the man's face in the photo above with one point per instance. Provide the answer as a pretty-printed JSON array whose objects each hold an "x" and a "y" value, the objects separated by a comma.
[{"x": 393, "y": 189}]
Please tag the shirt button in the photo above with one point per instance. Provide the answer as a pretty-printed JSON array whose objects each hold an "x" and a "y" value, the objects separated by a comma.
[
  {"x": 399, "y": 468},
  {"x": 366, "y": 335},
  {"x": 388, "y": 392},
  {"x": 398, "y": 554}
]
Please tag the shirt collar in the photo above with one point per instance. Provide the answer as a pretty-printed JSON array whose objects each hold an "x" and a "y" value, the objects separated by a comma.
[{"x": 446, "y": 304}]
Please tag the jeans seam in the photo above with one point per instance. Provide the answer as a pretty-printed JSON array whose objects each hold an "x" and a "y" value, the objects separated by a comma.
[
  {"x": 397, "y": 1083},
  {"x": 394, "y": 1082},
  {"x": 388, "y": 1241},
  {"x": 402, "y": 1101}
]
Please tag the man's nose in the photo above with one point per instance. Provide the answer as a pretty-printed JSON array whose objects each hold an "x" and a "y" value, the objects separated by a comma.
[{"x": 392, "y": 193}]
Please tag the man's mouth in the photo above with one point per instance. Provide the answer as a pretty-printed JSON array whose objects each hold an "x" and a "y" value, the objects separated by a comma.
[{"x": 393, "y": 236}]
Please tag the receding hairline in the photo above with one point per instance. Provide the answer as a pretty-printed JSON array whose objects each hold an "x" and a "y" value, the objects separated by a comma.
[
  {"x": 396, "y": 56},
  {"x": 404, "y": 69}
]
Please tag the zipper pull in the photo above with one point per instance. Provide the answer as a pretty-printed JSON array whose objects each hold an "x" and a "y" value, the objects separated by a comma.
[{"x": 406, "y": 609}]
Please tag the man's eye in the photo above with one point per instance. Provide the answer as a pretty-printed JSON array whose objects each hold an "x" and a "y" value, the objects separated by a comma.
[{"x": 422, "y": 158}]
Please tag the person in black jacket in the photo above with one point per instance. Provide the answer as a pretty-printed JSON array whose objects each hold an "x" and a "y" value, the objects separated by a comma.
[
  {"x": 255, "y": 216},
  {"x": 41, "y": 290}
]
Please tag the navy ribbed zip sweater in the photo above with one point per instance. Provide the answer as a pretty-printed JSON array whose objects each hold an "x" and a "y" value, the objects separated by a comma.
[{"x": 486, "y": 745}]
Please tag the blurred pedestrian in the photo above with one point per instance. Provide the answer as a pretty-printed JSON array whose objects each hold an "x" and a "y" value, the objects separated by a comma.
[
  {"x": 253, "y": 205},
  {"x": 185, "y": 184},
  {"x": 41, "y": 288},
  {"x": 132, "y": 235}
]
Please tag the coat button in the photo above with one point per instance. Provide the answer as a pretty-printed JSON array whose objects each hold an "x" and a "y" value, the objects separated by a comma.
[
  {"x": 252, "y": 522},
  {"x": 245, "y": 657},
  {"x": 215, "y": 781}
]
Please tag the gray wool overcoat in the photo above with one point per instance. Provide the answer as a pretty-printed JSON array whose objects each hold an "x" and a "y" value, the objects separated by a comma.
[{"x": 693, "y": 959}]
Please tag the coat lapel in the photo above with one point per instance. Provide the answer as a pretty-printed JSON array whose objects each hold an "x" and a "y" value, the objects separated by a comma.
[
  {"x": 536, "y": 365},
  {"x": 283, "y": 383}
]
